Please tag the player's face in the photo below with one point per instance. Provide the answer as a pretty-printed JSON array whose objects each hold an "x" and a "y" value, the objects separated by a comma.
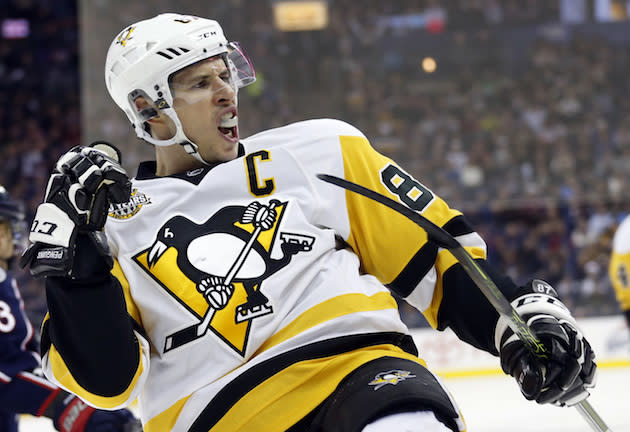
[
  {"x": 6, "y": 241},
  {"x": 205, "y": 103}
]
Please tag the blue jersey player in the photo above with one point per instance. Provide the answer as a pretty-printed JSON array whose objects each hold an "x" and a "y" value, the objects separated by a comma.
[{"x": 22, "y": 388}]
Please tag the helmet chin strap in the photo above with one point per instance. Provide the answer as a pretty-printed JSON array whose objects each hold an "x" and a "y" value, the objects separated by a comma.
[
  {"x": 192, "y": 149},
  {"x": 179, "y": 138}
]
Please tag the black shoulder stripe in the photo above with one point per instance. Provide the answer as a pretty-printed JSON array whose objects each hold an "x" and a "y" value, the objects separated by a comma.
[
  {"x": 458, "y": 226},
  {"x": 245, "y": 382},
  {"x": 414, "y": 271}
]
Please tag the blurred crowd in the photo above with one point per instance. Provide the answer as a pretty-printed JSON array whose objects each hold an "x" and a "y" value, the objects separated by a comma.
[{"x": 524, "y": 125}]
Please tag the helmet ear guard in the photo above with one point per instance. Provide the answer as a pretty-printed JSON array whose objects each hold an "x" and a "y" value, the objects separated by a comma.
[{"x": 145, "y": 111}]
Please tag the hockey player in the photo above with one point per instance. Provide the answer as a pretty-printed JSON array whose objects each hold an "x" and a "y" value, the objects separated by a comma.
[
  {"x": 619, "y": 267},
  {"x": 23, "y": 389},
  {"x": 232, "y": 290}
]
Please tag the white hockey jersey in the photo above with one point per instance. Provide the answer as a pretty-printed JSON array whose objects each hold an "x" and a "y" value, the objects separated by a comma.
[{"x": 307, "y": 263}]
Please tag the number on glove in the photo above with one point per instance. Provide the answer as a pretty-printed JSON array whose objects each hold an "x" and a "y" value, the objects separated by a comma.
[{"x": 568, "y": 371}]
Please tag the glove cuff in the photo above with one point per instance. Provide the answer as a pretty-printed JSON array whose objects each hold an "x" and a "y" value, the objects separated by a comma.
[
  {"x": 92, "y": 257},
  {"x": 52, "y": 226},
  {"x": 49, "y": 407},
  {"x": 68, "y": 413},
  {"x": 73, "y": 416}
]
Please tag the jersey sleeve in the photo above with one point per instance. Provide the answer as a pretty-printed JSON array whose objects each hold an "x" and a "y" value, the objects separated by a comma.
[
  {"x": 27, "y": 393},
  {"x": 93, "y": 344},
  {"x": 397, "y": 251},
  {"x": 619, "y": 267}
]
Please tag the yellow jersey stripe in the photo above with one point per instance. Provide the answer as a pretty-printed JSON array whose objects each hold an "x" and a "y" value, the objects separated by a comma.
[
  {"x": 65, "y": 378},
  {"x": 374, "y": 228},
  {"x": 292, "y": 393},
  {"x": 132, "y": 309},
  {"x": 328, "y": 310},
  {"x": 165, "y": 421}
]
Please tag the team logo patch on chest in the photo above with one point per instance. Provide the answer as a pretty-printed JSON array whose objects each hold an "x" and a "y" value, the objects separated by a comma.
[
  {"x": 392, "y": 377},
  {"x": 216, "y": 269},
  {"x": 131, "y": 207}
]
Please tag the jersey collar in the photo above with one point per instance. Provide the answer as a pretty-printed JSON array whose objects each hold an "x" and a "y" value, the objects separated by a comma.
[{"x": 147, "y": 169}]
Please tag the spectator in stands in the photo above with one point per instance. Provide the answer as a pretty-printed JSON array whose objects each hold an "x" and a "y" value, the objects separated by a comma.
[{"x": 572, "y": 92}]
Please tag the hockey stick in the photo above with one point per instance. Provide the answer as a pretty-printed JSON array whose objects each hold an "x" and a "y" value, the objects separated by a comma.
[{"x": 443, "y": 239}]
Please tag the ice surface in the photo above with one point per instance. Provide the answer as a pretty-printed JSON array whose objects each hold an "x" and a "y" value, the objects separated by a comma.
[{"x": 494, "y": 404}]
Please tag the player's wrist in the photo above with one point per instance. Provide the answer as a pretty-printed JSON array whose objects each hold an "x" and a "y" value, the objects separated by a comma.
[{"x": 92, "y": 257}]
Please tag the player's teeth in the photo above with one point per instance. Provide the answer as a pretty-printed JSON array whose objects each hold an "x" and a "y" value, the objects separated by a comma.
[{"x": 229, "y": 120}]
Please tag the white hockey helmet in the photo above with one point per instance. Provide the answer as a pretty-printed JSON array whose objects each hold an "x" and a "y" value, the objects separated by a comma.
[{"x": 144, "y": 55}]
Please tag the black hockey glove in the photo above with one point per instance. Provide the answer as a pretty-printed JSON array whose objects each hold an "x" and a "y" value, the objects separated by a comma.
[
  {"x": 83, "y": 184},
  {"x": 71, "y": 414},
  {"x": 569, "y": 369}
]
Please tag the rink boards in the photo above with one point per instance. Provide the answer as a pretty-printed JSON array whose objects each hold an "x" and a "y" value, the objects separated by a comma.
[{"x": 446, "y": 355}]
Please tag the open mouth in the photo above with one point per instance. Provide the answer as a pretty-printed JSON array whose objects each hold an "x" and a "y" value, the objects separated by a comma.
[{"x": 228, "y": 125}]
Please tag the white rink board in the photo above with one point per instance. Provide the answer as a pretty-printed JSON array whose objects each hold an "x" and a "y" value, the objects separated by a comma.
[
  {"x": 491, "y": 401},
  {"x": 447, "y": 355}
]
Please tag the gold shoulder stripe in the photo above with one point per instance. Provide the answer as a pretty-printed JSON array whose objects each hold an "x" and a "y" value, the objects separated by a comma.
[{"x": 385, "y": 240}]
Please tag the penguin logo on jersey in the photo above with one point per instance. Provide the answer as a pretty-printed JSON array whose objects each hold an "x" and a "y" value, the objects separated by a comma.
[{"x": 216, "y": 269}]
